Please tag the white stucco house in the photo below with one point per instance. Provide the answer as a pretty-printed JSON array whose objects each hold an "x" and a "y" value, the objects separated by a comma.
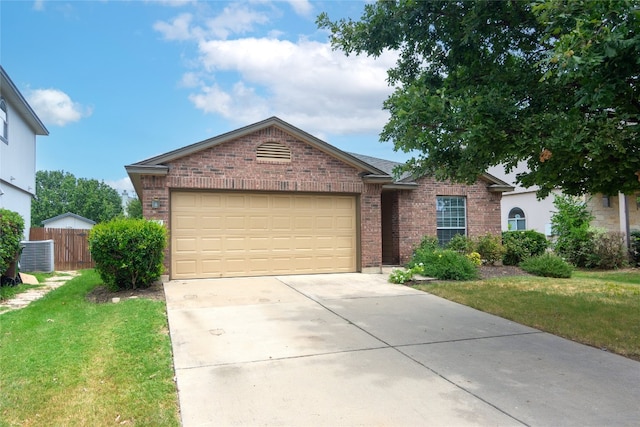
[
  {"x": 19, "y": 126},
  {"x": 69, "y": 220},
  {"x": 520, "y": 208}
]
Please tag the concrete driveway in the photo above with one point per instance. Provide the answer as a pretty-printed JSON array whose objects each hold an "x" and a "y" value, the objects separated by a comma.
[{"x": 354, "y": 350}]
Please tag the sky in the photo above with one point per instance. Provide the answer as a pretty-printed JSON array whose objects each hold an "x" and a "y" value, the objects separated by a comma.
[{"x": 117, "y": 82}]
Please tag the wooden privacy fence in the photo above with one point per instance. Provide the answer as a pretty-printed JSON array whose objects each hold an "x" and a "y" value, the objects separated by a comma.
[{"x": 70, "y": 247}]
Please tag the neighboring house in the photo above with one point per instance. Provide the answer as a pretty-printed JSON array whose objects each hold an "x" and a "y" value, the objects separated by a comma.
[
  {"x": 271, "y": 199},
  {"x": 69, "y": 220},
  {"x": 19, "y": 126},
  {"x": 126, "y": 199},
  {"x": 612, "y": 215},
  {"x": 521, "y": 210}
]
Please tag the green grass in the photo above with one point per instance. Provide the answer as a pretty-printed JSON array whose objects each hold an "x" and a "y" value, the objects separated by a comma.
[
  {"x": 8, "y": 292},
  {"x": 601, "y": 309},
  {"x": 66, "y": 361}
]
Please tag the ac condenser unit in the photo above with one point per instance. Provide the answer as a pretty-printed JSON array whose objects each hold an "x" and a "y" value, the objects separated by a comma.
[{"x": 37, "y": 255}]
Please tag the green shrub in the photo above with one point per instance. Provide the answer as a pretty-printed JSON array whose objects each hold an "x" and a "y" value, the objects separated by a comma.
[
  {"x": 429, "y": 243},
  {"x": 635, "y": 247},
  {"x": 11, "y": 229},
  {"x": 400, "y": 276},
  {"x": 475, "y": 258},
  {"x": 444, "y": 264},
  {"x": 606, "y": 251},
  {"x": 547, "y": 265},
  {"x": 490, "y": 248},
  {"x": 570, "y": 225},
  {"x": 461, "y": 243},
  {"x": 128, "y": 252},
  {"x": 520, "y": 245}
]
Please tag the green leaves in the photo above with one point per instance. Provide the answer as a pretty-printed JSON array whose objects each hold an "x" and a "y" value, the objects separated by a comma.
[
  {"x": 11, "y": 228},
  {"x": 129, "y": 253},
  {"x": 59, "y": 192},
  {"x": 477, "y": 84}
]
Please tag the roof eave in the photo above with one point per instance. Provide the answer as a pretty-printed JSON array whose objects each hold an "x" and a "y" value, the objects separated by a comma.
[
  {"x": 377, "y": 179},
  {"x": 21, "y": 104},
  {"x": 401, "y": 186},
  {"x": 135, "y": 171},
  {"x": 497, "y": 188}
]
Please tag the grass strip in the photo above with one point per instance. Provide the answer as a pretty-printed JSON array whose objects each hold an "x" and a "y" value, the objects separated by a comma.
[
  {"x": 599, "y": 309},
  {"x": 66, "y": 361}
]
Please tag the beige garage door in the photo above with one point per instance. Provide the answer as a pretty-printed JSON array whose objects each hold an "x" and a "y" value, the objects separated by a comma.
[{"x": 232, "y": 234}]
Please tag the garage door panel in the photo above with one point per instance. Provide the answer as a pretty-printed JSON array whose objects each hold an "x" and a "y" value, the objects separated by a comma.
[
  {"x": 228, "y": 234},
  {"x": 211, "y": 244},
  {"x": 186, "y": 244}
]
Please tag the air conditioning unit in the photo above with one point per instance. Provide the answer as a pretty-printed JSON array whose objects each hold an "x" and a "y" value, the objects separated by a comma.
[{"x": 37, "y": 255}]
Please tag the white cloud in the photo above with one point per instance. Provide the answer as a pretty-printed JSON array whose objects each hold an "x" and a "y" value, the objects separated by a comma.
[
  {"x": 305, "y": 82},
  {"x": 246, "y": 79},
  {"x": 237, "y": 18},
  {"x": 301, "y": 7},
  {"x": 56, "y": 107},
  {"x": 172, "y": 3},
  {"x": 177, "y": 29},
  {"x": 38, "y": 5}
]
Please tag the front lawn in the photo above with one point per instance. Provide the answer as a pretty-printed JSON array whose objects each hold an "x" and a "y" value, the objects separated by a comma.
[
  {"x": 601, "y": 309},
  {"x": 67, "y": 361}
]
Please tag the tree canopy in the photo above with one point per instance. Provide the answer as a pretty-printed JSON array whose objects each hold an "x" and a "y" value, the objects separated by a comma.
[
  {"x": 477, "y": 84},
  {"x": 59, "y": 192}
]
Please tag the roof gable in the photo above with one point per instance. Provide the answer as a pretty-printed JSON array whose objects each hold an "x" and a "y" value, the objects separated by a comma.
[
  {"x": 68, "y": 215},
  {"x": 158, "y": 165},
  {"x": 272, "y": 121}
]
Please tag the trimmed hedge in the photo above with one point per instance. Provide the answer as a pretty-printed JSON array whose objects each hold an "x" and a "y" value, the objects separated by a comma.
[
  {"x": 128, "y": 252},
  {"x": 11, "y": 229},
  {"x": 520, "y": 245}
]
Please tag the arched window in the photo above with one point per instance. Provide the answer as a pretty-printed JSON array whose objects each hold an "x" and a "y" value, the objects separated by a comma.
[
  {"x": 517, "y": 220},
  {"x": 4, "y": 130}
]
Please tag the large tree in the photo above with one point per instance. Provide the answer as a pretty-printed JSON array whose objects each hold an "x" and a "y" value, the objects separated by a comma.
[
  {"x": 477, "y": 84},
  {"x": 59, "y": 192}
]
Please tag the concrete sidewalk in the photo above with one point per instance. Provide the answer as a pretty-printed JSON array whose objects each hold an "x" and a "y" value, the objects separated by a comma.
[{"x": 352, "y": 349}]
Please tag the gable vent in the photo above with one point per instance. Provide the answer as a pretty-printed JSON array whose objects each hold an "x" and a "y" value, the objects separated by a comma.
[{"x": 273, "y": 152}]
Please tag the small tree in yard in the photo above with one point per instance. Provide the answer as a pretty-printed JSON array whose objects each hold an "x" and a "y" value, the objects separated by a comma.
[
  {"x": 11, "y": 228},
  {"x": 570, "y": 223},
  {"x": 128, "y": 252}
]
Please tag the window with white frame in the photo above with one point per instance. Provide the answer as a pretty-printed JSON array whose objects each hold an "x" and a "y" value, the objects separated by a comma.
[
  {"x": 4, "y": 130},
  {"x": 451, "y": 217},
  {"x": 517, "y": 220}
]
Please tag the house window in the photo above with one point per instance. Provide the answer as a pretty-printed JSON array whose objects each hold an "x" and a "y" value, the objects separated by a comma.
[
  {"x": 516, "y": 220},
  {"x": 4, "y": 132},
  {"x": 451, "y": 217}
]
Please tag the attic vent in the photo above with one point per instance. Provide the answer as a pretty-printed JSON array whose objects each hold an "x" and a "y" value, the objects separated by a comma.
[{"x": 273, "y": 152}]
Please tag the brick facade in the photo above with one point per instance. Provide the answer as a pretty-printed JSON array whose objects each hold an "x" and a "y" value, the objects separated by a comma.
[
  {"x": 417, "y": 211},
  {"x": 230, "y": 163},
  {"x": 233, "y": 166}
]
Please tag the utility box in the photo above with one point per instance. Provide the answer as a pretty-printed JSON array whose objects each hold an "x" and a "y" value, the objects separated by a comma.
[{"x": 37, "y": 255}]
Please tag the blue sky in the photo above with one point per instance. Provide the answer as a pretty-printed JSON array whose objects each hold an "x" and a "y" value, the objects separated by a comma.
[{"x": 116, "y": 82}]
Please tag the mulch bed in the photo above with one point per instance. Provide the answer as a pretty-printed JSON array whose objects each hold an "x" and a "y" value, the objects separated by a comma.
[
  {"x": 492, "y": 271},
  {"x": 100, "y": 294}
]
